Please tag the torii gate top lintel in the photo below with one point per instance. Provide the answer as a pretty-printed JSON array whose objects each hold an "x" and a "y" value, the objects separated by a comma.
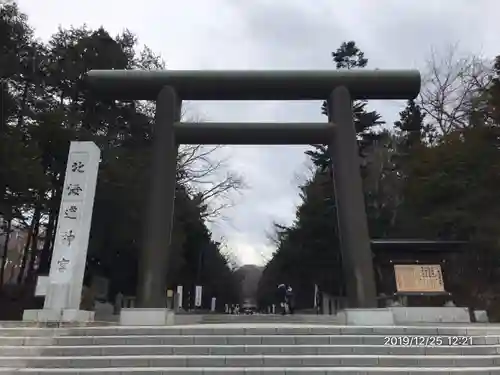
[{"x": 254, "y": 84}]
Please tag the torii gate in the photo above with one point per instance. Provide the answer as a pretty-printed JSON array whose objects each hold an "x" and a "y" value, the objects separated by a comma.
[{"x": 169, "y": 88}]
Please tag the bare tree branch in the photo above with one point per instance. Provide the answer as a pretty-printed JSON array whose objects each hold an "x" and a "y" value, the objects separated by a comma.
[
  {"x": 205, "y": 174},
  {"x": 451, "y": 88},
  {"x": 211, "y": 181}
]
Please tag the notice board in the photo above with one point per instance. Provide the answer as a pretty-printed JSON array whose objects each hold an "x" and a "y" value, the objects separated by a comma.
[{"x": 419, "y": 278}]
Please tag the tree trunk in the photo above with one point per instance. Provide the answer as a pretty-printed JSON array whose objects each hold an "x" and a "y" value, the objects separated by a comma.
[
  {"x": 22, "y": 109},
  {"x": 30, "y": 275},
  {"x": 31, "y": 238},
  {"x": 45, "y": 254},
  {"x": 5, "y": 250}
]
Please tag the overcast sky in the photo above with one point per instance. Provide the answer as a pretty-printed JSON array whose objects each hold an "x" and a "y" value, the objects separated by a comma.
[{"x": 278, "y": 34}]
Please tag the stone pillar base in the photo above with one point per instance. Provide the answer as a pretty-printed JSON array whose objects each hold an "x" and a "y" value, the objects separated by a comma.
[
  {"x": 402, "y": 315},
  {"x": 147, "y": 317},
  {"x": 408, "y": 315},
  {"x": 66, "y": 316},
  {"x": 368, "y": 317}
]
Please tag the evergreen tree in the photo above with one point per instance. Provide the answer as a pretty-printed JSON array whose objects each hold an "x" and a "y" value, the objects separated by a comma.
[
  {"x": 349, "y": 56},
  {"x": 411, "y": 125},
  {"x": 45, "y": 106},
  {"x": 308, "y": 252}
]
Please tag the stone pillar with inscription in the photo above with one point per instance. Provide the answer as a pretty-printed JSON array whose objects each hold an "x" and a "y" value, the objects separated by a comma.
[{"x": 63, "y": 286}]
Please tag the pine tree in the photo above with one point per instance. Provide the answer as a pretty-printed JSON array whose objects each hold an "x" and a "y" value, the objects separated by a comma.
[
  {"x": 349, "y": 56},
  {"x": 410, "y": 126}
]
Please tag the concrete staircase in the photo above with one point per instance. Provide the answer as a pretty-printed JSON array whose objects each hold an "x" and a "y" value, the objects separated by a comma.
[
  {"x": 190, "y": 319},
  {"x": 277, "y": 348}
]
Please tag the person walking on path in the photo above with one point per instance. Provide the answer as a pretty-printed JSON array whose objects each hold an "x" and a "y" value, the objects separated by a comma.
[
  {"x": 290, "y": 299},
  {"x": 282, "y": 298}
]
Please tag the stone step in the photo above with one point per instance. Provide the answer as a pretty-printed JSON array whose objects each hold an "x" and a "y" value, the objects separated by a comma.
[
  {"x": 241, "y": 340},
  {"x": 32, "y": 325},
  {"x": 118, "y": 350},
  {"x": 228, "y": 329},
  {"x": 430, "y": 361},
  {"x": 250, "y": 349},
  {"x": 330, "y": 319},
  {"x": 259, "y": 371}
]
